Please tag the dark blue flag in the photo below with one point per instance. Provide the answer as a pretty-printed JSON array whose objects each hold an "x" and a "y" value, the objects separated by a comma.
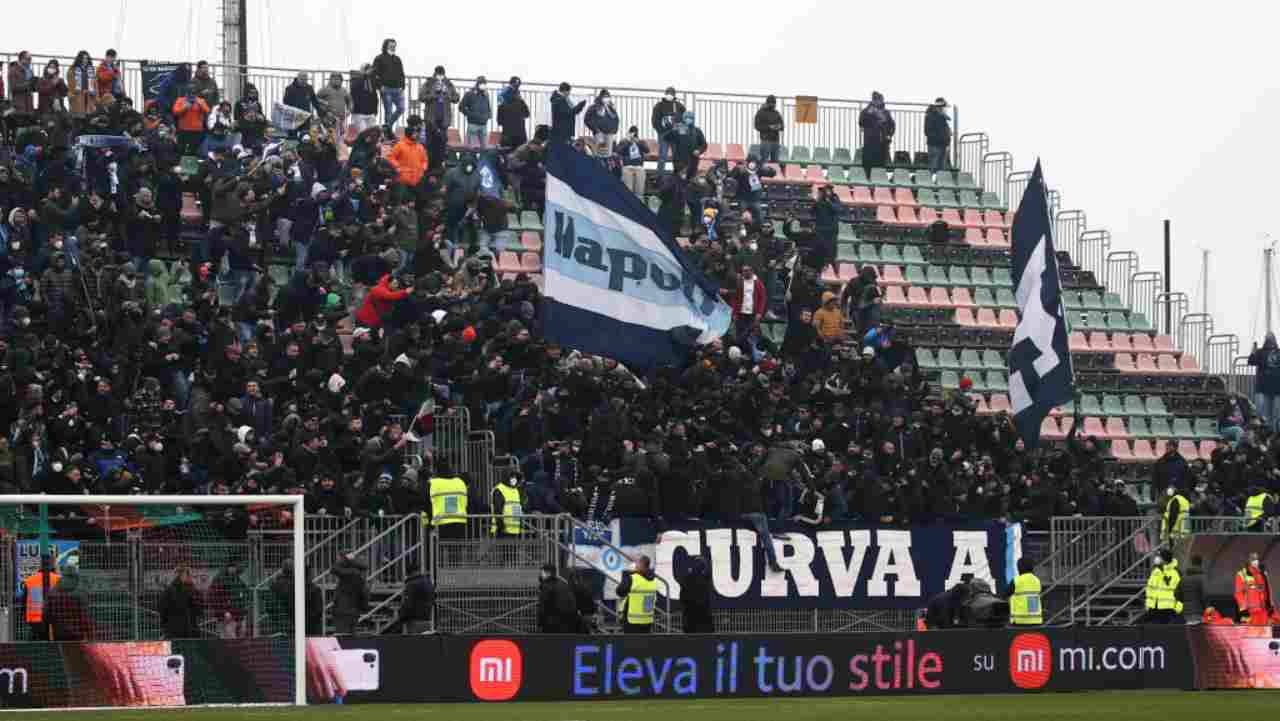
[{"x": 490, "y": 180}]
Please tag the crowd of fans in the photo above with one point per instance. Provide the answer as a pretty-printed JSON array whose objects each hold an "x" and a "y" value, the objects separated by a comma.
[{"x": 147, "y": 353}]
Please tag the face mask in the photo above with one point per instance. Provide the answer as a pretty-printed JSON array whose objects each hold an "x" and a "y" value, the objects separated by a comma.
[
  {"x": 24, "y": 322},
  {"x": 604, "y": 98},
  {"x": 157, "y": 447},
  {"x": 481, "y": 87},
  {"x": 751, "y": 167},
  {"x": 468, "y": 169},
  {"x": 57, "y": 245},
  {"x": 439, "y": 76},
  {"x": 1254, "y": 563},
  {"x": 670, "y": 97},
  {"x": 57, "y": 466}
]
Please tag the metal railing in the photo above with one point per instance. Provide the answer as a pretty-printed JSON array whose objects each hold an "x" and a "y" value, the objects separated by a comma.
[{"x": 663, "y": 620}]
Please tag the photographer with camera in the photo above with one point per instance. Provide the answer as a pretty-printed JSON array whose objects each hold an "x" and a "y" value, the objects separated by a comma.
[{"x": 438, "y": 96}]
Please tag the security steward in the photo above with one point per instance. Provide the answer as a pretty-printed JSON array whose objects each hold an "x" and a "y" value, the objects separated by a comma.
[
  {"x": 1024, "y": 596},
  {"x": 1163, "y": 606},
  {"x": 639, "y": 593},
  {"x": 448, "y": 503},
  {"x": 35, "y": 589},
  {"x": 1257, "y": 509},
  {"x": 1253, "y": 594},
  {"x": 1177, "y": 521},
  {"x": 507, "y": 509}
]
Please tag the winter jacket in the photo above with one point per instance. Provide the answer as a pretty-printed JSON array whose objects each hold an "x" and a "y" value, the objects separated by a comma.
[
  {"x": 206, "y": 88},
  {"x": 379, "y": 302},
  {"x": 759, "y": 300},
  {"x": 602, "y": 118},
  {"x": 351, "y": 597},
  {"x": 337, "y": 101},
  {"x": 51, "y": 92},
  {"x": 1267, "y": 360},
  {"x": 108, "y": 79},
  {"x": 562, "y": 116},
  {"x": 830, "y": 322},
  {"x": 766, "y": 118},
  {"x": 418, "y": 601},
  {"x": 512, "y": 115},
  {"x": 191, "y": 115},
  {"x": 937, "y": 127},
  {"x": 666, "y": 115},
  {"x": 388, "y": 71},
  {"x": 438, "y": 98},
  {"x": 633, "y": 152},
  {"x": 475, "y": 107},
  {"x": 364, "y": 97},
  {"x": 180, "y": 609},
  {"x": 82, "y": 86},
  {"x": 410, "y": 159},
  {"x": 301, "y": 96},
  {"x": 877, "y": 125}
]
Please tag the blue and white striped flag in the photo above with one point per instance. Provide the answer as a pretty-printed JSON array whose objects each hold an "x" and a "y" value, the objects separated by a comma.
[
  {"x": 615, "y": 283},
  {"x": 1040, "y": 376}
]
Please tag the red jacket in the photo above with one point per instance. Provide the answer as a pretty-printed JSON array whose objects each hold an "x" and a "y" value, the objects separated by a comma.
[
  {"x": 378, "y": 302},
  {"x": 759, "y": 299}
]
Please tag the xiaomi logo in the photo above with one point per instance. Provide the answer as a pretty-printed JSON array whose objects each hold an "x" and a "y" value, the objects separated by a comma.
[
  {"x": 1030, "y": 660},
  {"x": 497, "y": 668}
]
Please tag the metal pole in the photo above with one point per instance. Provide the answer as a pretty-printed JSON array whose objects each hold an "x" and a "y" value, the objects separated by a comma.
[
  {"x": 299, "y": 604},
  {"x": 1168, "y": 277},
  {"x": 1267, "y": 255},
  {"x": 1204, "y": 280}
]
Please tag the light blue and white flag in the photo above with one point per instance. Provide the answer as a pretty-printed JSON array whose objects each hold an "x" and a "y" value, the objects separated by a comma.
[{"x": 615, "y": 283}]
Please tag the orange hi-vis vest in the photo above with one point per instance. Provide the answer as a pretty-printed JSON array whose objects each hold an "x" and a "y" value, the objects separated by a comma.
[{"x": 34, "y": 585}]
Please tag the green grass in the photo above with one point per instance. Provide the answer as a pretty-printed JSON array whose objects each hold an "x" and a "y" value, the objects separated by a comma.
[{"x": 1096, "y": 706}]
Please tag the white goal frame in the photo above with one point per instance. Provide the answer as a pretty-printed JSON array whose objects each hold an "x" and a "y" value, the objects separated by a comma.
[{"x": 294, "y": 503}]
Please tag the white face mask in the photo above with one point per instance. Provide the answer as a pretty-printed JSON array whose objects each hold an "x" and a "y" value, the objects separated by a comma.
[
  {"x": 1254, "y": 563},
  {"x": 157, "y": 447},
  {"x": 670, "y": 97},
  {"x": 57, "y": 466},
  {"x": 481, "y": 87}
]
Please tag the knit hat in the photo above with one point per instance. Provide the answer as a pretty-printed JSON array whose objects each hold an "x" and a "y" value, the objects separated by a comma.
[
  {"x": 469, "y": 334},
  {"x": 966, "y": 383}
]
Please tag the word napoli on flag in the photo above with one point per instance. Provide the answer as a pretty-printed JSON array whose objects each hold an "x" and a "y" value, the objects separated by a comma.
[
  {"x": 1040, "y": 375},
  {"x": 616, "y": 284}
]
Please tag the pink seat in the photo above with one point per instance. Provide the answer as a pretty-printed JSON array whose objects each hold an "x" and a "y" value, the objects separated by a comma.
[
  {"x": 1142, "y": 451},
  {"x": 1093, "y": 427},
  {"x": 1188, "y": 450},
  {"x": 1049, "y": 429},
  {"x": 495, "y": 138},
  {"x": 1000, "y": 403},
  {"x": 1164, "y": 344},
  {"x": 734, "y": 153},
  {"x": 1099, "y": 343},
  {"x": 508, "y": 262},
  {"x": 715, "y": 151},
  {"x": 1116, "y": 428},
  {"x": 455, "y": 138},
  {"x": 902, "y": 196},
  {"x": 848, "y": 271},
  {"x": 993, "y": 219},
  {"x": 1077, "y": 343},
  {"x": 885, "y": 214},
  {"x": 1187, "y": 364},
  {"x": 979, "y": 404},
  {"x": 1008, "y": 318},
  {"x": 917, "y": 296},
  {"x": 964, "y": 316},
  {"x": 907, "y": 216},
  {"x": 883, "y": 196},
  {"x": 531, "y": 262},
  {"x": 795, "y": 174},
  {"x": 1008, "y": 220},
  {"x": 973, "y": 236},
  {"x": 653, "y": 148},
  {"x": 844, "y": 193},
  {"x": 892, "y": 275},
  {"x": 531, "y": 241},
  {"x": 972, "y": 218},
  {"x": 995, "y": 237},
  {"x": 1121, "y": 342},
  {"x": 1167, "y": 364},
  {"x": 1206, "y": 449},
  {"x": 939, "y": 297},
  {"x": 1158, "y": 447},
  {"x": 928, "y": 216},
  {"x": 813, "y": 174},
  {"x": 1120, "y": 451},
  {"x": 987, "y": 318},
  {"x": 960, "y": 297},
  {"x": 1146, "y": 363},
  {"x": 1142, "y": 343},
  {"x": 951, "y": 217},
  {"x": 830, "y": 276},
  {"x": 862, "y": 198},
  {"x": 1124, "y": 363},
  {"x": 894, "y": 295}
]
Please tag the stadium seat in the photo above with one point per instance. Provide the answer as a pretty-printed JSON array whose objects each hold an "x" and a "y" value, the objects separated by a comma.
[
  {"x": 1099, "y": 343},
  {"x": 965, "y": 317},
  {"x": 842, "y": 156},
  {"x": 1001, "y": 277},
  {"x": 960, "y": 298},
  {"x": 1008, "y": 319},
  {"x": 928, "y": 216},
  {"x": 1091, "y": 300},
  {"x": 991, "y": 360},
  {"x": 799, "y": 154},
  {"x": 997, "y": 381},
  {"x": 1124, "y": 363},
  {"x": 1093, "y": 426},
  {"x": 911, "y": 255},
  {"x": 1112, "y": 405},
  {"x": 508, "y": 262},
  {"x": 951, "y": 217},
  {"x": 529, "y": 220},
  {"x": 838, "y": 177},
  {"x": 1206, "y": 450},
  {"x": 979, "y": 404},
  {"x": 821, "y": 156},
  {"x": 949, "y": 380},
  {"x": 1138, "y": 427},
  {"x": 969, "y": 199},
  {"x": 1182, "y": 428},
  {"x": 1167, "y": 365},
  {"x": 1089, "y": 405},
  {"x": 986, "y": 318},
  {"x": 715, "y": 151},
  {"x": 926, "y": 360},
  {"x": 907, "y": 216},
  {"x": 1207, "y": 429},
  {"x": 895, "y": 295},
  {"x": 1138, "y": 321},
  {"x": 902, "y": 196},
  {"x": 1146, "y": 363},
  {"x": 858, "y": 176},
  {"x": 947, "y": 199},
  {"x": 1077, "y": 343},
  {"x": 1141, "y": 342},
  {"x": 1188, "y": 450},
  {"x": 862, "y": 198},
  {"x": 1050, "y": 431},
  {"x": 972, "y": 219},
  {"x": 1116, "y": 428},
  {"x": 1143, "y": 452},
  {"x": 454, "y": 138},
  {"x": 939, "y": 298},
  {"x": 1133, "y": 406},
  {"x": 991, "y": 200},
  {"x": 890, "y": 253},
  {"x": 997, "y": 238},
  {"x": 1186, "y": 364},
  {"x": 974, "y": 237},
  {"x": 531, "y": 241},
  {"x": 1164, "y": 344},
  {"x": 937, "y": 275},
  {"x": 883, "y": 196},
  {"x": 1160, "y": 428},
  {"x": 1122, "y": 342},
  {"x": 733, "y": 153},
  {"x": 1000, "y": 403},
  {"x": 892, "y": 275},
  {"x": 880, "y": 178},
  {"x": 1120, "y": 451},
  {"x": 980, "y": 278},
  {"x": 885, "y": 215}
]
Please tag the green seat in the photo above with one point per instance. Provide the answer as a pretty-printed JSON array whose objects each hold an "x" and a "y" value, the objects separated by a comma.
[
  {"x": 846, "y": 233},
  {"x": 800, "y": 154},
  {"x": 997, "y": 381},
  {"x": 880, "y": 178},
  {"x": 1095, "y": 320},
  {"x": 914, "y": 274},
  {"x": 947, "y": 199},
  {"x": 754, "y": 149},
  {"x": 529, "y": 220},
  {"x": 1111, "y": 301},
  {"x": 513, "y": 219},
  {"x": 842, "y": 156},
  {"x": 1138, "y": 427},
  {"x": 991, "y": 201},
  {"x": 1182, "y": 429},
  {"x": 1001, "y": 277},
  {"x": 1117, "y": 321},
  {"x": 1089, "y": 405},
  {"x": 891, "y": 254},
  {"x": 1068, "y": 408},
  {"x": 1133, "y": 406},
  {"x": 983, "y": 298},
  {"x": 1155, "y": 406},
  {"x": 938, "y": 276},
  {"x": 960, "y": 276},
  {"x": 911, "y": 255},
  {"x": 654, "y": 203},
  {"x": 847, "y": 253},
  {"x": 1071, "y": 300},
  {"x": 970, "y": 358},
  {"x": 950, "y": 380},
  {"x": 924, "y": 179},
  {"x": 1005, "y": 299},
  {"x": 946, "y": 179},
  {"x": 836, "y": 175},
  {"x": 947, "y": 359},
  {"x": 979, "y": 382},
  {"x": 969, "y": 199},
  {"x": 1207, "y": 429},
  {"x": 857, "y": 157},
  {"x": 1112, "y": 406},
  {"x": 927, "y": 198},
  {"x": 1091, "y": 300},
  {"x": 1160, "y": 428},
  {"x": 902, "y": 178},
  {"x": 991, "y": 360},
  {"x": 868, "y": 254},
  {"x": 980, "y": 277},
  {"x": 966, "y": 182},
  {"x": 822, "y": 156},
  {"x": 925, "y": 359},
  {"x": 1138, "y": 321},
  {"x": 783, "y": 154},
  {"x": 858, "y": 176}
]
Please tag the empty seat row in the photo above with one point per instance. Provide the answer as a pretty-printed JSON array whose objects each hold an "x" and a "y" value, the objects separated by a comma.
[
  {"x": 989, "y": 238},
  {"x": 1145, "y": 451},
  {"x": 1199, "y": 429},
  {"x": 939, "y": 297},
  {"x": 1099, "y": 342},
  {"x": 1114, "y": 405},
  {"x": 1115, "y": 320},
  {"x": 906, "y": 215},
  {"x": 982, "y": 380},
  {"x": 509, "y": 262},
  {"x": 1007, "y": 318},
  {"x": 946, "y": 358},
  {"x": 1163, "y": 364},
  {"x": 998, "y": 281},
  {"x": 1092, "y": 300}
]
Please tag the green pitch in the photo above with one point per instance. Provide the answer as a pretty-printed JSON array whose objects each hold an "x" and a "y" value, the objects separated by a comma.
[{"x": 1126, "y": 705}]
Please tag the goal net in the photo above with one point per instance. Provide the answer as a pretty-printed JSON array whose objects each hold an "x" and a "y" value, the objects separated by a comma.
[{"x": 151, "y": 600}]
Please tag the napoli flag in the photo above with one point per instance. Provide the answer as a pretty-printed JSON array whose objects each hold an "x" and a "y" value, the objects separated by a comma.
[
  {"x": 1040, "y": 376},
  {"x": 490, "y": 180},
  {"x": 616, "y": 284}
]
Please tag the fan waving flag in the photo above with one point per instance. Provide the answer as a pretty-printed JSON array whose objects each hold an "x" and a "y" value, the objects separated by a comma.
[
  {"x": 616, "y": 284},
  {"x": 1040, "y": 376}
]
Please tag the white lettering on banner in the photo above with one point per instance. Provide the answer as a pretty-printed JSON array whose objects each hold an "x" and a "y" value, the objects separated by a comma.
[
  {"x": 794, "y": 562},
  {"x": 720, "y": 540},
  {"x": 15, "y": 674},
  {"x": 894, "y": 559},
  {"x": 668, "y": 542},
  {"x": 970, "y": 558},
  {"x": 1030, "y": 661},
  {"x": 495, "y": 670},
  {"x": 844, "y": 576}
]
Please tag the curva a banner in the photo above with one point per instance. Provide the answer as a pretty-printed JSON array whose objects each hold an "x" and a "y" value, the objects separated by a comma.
[{"x": 837, "y": 566}]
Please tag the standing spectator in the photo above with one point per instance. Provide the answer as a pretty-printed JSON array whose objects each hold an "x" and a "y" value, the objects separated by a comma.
[
  {"x": 336, "y": 103},
  {"x": 633, "y": 150},
  {"x": 769, "y": 125},
  {"x": 251, "y": 119},
  {"x": 513, "y": 112},
  {"x": 937, "y": 134},
  {"x": 667, "y": 112},
  {"x": 687, "y": 145},
  {"x": 826, "y": 227},
  {"x": 203, "y": 85},
  {"x": 563, "y": 112},
  {"x": 180, "y": 607},
  {"x": 877, "y": 132},
  {"x": 364, "y": 99},
  {"x": 557, "y": 607},
  {"x": 299, "y": 94},
  {"x": 438, "y": 96},
  {"x": 109, "y": 79},
  {"x": 748, "y": 302},
  {"x": 351, "y": 597},
  {"x": 229, "y": 598},
  {"x": 51, "y": 89},
  {"x": 191, "y": 112},
  {"x": 417, "y": 605},
  {"x": 388, "y": 73},
  {"x": 408, "y": 156},
  {"x": 476, "y": 109},
  {"x": 379, "y": 301},
  {"x": 1191, "y": 592},
  {"x": 1267, "y": 388},
  {"x": 82, "y": 85},
  {"x": 750, "y": 188},
  {"x": 695, "y": 598},
  {"x": 22, "y": 83},
  {"x": 638, "y": 590},
  {"x": 602, "y": 121}
]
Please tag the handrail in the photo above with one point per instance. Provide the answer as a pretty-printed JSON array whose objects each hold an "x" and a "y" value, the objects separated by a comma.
[
  {"x": 1111, "y": 583},
  {"x": 1124, "y": 543},
  {"x": 374, "y": 539},
  {"x": 571, "y": 548},
  {"x": 1068, "y": 545},
  {"x": 326, "y": 540}
]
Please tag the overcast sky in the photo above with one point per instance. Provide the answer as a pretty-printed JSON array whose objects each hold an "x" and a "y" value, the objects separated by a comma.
[{"x": 1139, "y": 110}]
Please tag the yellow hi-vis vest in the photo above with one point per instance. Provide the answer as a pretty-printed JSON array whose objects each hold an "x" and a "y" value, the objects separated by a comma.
[
  {"x": 448, "y": 501},
  {"x": 1254, "y": 507},
  {"x": 1160, "y": 594},
  {"x": 1024, "y": 602},
  {"x": 641, "y": 600},
  {"x": 511, "y": 511},
  {"x": 1184, "y": 520}
]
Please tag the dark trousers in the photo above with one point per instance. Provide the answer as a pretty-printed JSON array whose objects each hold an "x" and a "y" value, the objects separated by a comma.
[
  {"x": 1161, "y": 617},
  {"x": 637, "y": 627},
  {"x": 39, "y": 630},
  {"x": 344, "y": 624}
]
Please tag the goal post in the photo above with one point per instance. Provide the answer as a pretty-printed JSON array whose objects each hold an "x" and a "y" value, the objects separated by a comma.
[{"x": 133, "y": 600}]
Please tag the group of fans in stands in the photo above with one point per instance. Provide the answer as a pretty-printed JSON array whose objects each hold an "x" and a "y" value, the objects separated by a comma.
[{"x": 143, "y": 354}]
